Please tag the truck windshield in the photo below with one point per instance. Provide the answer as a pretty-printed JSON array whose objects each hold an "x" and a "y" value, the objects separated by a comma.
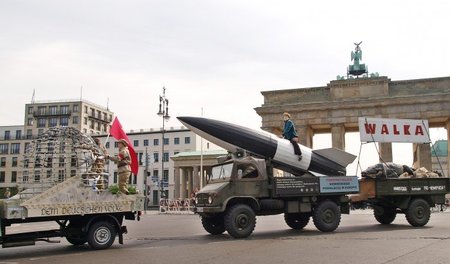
[{"x": 221, "y": 172}]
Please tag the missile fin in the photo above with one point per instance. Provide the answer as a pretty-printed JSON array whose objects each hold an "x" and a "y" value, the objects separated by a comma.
[{"x": 336, "y": 155}]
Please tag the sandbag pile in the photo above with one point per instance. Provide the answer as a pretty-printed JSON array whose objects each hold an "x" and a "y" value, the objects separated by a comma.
[{"x": 393, "y": 170}]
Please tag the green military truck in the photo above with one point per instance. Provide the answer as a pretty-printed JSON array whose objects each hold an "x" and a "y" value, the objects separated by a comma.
[
  {"x": 412, "y": 197},
  {"x": 239, "y": 189}
]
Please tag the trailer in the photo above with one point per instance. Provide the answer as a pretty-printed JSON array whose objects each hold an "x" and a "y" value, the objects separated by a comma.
[
  {"x": 412, "y": 197},
  {"x": 62, "y": 180}
]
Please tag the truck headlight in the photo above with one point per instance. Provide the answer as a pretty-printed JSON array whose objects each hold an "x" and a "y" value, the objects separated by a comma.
[
  {"x": 210, "y": 199},
  {"x": 196, "y": 200}
]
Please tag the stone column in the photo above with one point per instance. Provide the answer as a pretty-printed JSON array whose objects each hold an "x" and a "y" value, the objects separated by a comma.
[
  {"x": 338, "y": 136},
  {"x": 196, "y": 178},
  {"x": 448, "y": 147},
  {"x": 183, "y": 183},
  {"x": 190, "y": 185},
  {"x": 176, "y": 176},
  {"x": 385, "y": 149},
  {"x": 422, "y": 156},
  {"x": 305, "y": 135}
]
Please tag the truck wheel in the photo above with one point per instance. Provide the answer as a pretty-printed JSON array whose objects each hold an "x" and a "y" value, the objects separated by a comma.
[
  {"x": 386, "y": 215},
  {"x": 327, "y": 216},
  {"x": 296, "y": 221},
  {"x": 214, "y": 225},
  {"x": 240, "y": 221},
  {"x": 418, "y": 212},
  {"x": 76, "y": 241},
  {"x": 101, "y": 235}
]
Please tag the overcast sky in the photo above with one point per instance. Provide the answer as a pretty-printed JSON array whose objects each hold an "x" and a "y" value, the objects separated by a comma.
[{"x": 215, "y": 55}]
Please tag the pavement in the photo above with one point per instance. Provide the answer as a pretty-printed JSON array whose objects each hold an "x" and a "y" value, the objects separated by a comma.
[{"x": 170, "y": 238}]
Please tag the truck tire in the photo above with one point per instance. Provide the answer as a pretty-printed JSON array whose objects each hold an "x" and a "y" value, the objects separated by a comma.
[
  {"x": 240, "y": 220},
  {"x": 386, "y": 215},
  {"x": 101, "y": 235},
  {"x": 418, "y": 212},
  {"x": 297, "y": 220},
  {"x": 214, "y": 225},
  {"x": 326, "y": 216},
  {"x": 76, "y": 241}
]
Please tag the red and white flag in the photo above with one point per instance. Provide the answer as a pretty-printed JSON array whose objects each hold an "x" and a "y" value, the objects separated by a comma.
[{"x": 117, "y": 132}]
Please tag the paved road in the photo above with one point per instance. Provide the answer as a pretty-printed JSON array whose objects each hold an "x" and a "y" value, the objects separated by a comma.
[{"x": 181, "y": 239}]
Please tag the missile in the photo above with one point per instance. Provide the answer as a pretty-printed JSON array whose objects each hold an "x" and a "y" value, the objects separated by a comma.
[{"x": 233, "y": 138}]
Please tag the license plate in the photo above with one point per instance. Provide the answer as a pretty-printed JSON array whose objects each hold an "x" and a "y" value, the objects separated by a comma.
[{"x": 200, "y": 209}]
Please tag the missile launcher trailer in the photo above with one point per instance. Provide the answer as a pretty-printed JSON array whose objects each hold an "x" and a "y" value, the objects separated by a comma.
[
  {"x": 410, "y": 196},
  {"x": 63, "y": 181},
  {"x": 240, "y": 189}
]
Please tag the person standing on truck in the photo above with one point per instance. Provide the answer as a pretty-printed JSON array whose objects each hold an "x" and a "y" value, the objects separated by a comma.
[
  {"x": 290, "y": 133},
  {"x": 123, "y": 161}
]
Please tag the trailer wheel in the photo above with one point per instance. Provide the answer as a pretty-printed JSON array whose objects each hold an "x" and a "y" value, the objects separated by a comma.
[
  {"x": 214, "y": 225},
  {"x": 327, "y": 216},
  {"x": 418, "y": 212},
  {"x": 240, "y": 221},
  {"x": 101, "y": 235},
  {"x": 386, "y": 215},
  {"x": 297, "y": 220}
]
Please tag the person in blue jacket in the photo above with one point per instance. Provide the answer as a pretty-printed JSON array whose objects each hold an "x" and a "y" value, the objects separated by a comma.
[{"x": 290, "y": 134}]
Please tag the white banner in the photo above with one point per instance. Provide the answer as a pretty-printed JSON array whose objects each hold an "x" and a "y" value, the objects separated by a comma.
[{"x": 393, "y": 130}]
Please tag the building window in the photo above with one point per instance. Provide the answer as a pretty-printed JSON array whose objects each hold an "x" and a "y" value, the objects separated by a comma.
[
  {"x": 61, "y": 175},
  {"x": 156, "y": 157},
  {"x": 166, "y": 157},
  {"x": 52, "y": 122},
  {"x": 155, "y": 142},
  {"x": 116, "y": 144},
  {"x": 18, "y": 134},
  {"x": 37, "y": 176},
  {"x": 145, "y": 142},
  {"x": 166, "y": 176},
  {"x": 140, "y": 154},
  {"x": 40, "y": 131},
  {"x": 136, "y": 143},
  {"x": 53, "y": 110},
  {"x": 30, "y": 121},
  {"x": 85, "y": 120},
  {"x": 15, "y": 148},
  {"x": 92, "y": 112},
  {"x": 14, "y": 162},
  {"x": 4, "y": 148},
  {"x": 92, "y": 125},
  {"x": 75, "y": 120},
  {"x": 155, "y": 173},
  {"x": 187, "y": 140},
  {"x": 25, "y": 176},
  {"x": 64, "y": 109},
  {"x": 26, "y": 147},
  {"x": 64, "y": 121},
  {"x": 41, "y": 122},
  {"x": 176, "y": 141},
  {"x": 41, "y": 110},
  {"x": 76, "y": 108},
  {"x": 2, "y": 161},
  {"x": 30, "y": 110},
  {"x": 2, "y": 176},
  {"x": 29, "y": 133},
  {"x": 85, "y": 109},
  {"x": 166, "y": 141},
  {"x": 107, "y": 145},
  {"x": 7, "y": 135},
  {"x": 115, "y": 177},
  {"x": 13, "y": 176}
]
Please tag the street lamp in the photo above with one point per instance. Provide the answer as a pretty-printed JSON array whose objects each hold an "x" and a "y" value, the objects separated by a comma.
[{"x": 164, "y": 113}]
